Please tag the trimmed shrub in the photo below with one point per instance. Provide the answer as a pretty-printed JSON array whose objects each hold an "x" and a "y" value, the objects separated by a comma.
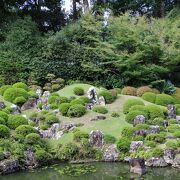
[
  {"x": 172, "y": 121},
  {"x": 159, "y": 138},
  {"x": 76, "y": 110},
  {"x": 176, "y": 134},
  {"x": 156, "y": 91},
  {"x": 56, "y": 87},
  {"x": 54, "y": 106},
  {"x": 4, "y": 131},
  {"x": 53, "y": 100},
  {"x": 118, "y": 90},
  {"x": 156, "y": 152},
  {"x": 79, "y": 91},
  {"x": 12, "y": 93},
  {"x": 141, "y": 126},
  {"x": 51, "y": 119},
  {"x": 79, "y": 135},
  {"x": 128, "y": 132},
  {"x": 3, "y": 115},
  {"x": 19, "y": 100},
  {"x": 114, "y": 93},
  {"x": 32, "y": 94},
  {"x": 16, "y": 120},
  {"x": 164, "y": 99},
  {"x": 3, "y": 89},
  {"x": 115, "y": 114},
  {"x": 124, "y": 145},
  {"x": 25, "y": 130},
  {"x": 77, "y": 101},
  {"x": 63, "y": 108},
  {"x": 131, "y": 102},
  {"x": 141, "y": 108},
  {"x": 2, "y": 121},
  {"x": 43, "y": 156},
  {"x": 21, "y": 85},
  {"x": 109, "y": 139},
  {"x": 60, "y": 81},
  {"x": 150, "y": 144},
  {"x": 100, "y": 109},
  {"x": 156, "y": 121},
  {"x": 154, "y": 112},
  {"x": 172, "y": 128},
  {"x": 149, "y": 96},
  {"x": 144, "y": 89},
  {"x": 176, "y": 96},
  {"x": 84, "y": 99},
  {"x": 171, "y": 144},
  {"x": 132, "y": 114},
  {"x": 107, "y": 96},
  {"x": 32, "y": 138},
  {"x": 44, "y": 126},
  {"x": 63, "y": 99},
  {"x": 129, "y": 91}
]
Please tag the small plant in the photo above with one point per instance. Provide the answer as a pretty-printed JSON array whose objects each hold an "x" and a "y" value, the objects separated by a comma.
[
  {"x": 171, "y": 144},
  {"x": 155, "y": 112},
  {"x": 51, "y": 119},
  {"x": 128, "y": 132},
  {"x": 25, "y": 130},
  {"x": 76, "y": 110},
  {"x": 172, "y": 128},
  {"x": 100, "y": 109},
  {"x": 32, "y": 138},
  {"x": 176, "y": 134},
  {"x": 19, "y": 100},
  {"x": 151, "y": 144},
  {"x": 77, "y": 101},
  {"x": 159, "y": 138},
  {"x": 3, "y": 115},
  {"x": 115, "y": 114},
  {"x": 21, "y": 85},
  {"x": 79, "y": 135},
  {"x": 129, "y": 91},
  {"x": 79, "y": 91}
]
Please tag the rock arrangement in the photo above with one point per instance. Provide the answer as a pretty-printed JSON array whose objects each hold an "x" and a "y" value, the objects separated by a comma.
[
  {"x": 96, "y": 139},
  {"x": 137, "y": 165},
  {"x": 111, "y": 154}
]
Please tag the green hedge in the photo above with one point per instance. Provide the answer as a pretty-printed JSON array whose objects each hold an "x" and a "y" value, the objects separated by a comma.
[
  {"x": 155, "y": 112},
  {"x": 25, "y": 130},
  {"x": 164, "y": 99},
  {"x": 3, "y": 89},
  {"x": 131, "y": 102},
  {"x": 76, "y": 110},
  {"x": 107, "y": 96},
  {"x": 149, "y": 96},
  {"x": 100, "y": 109},
  {"x": 16, "y": 120}
]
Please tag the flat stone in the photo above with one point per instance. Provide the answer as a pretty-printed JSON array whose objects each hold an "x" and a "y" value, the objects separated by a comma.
[{"x": 156, "y": 162}]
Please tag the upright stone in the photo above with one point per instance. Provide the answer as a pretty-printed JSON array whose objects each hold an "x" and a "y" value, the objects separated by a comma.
[
  {"x": 96, "y": 138},
  {"x": 171, "y": 111},
  {"x": 102, "y": 101},
  {"x": 140, "y": 119},
  {"x": 92, "y": 95},
  {"x": 2, "y": 105}
]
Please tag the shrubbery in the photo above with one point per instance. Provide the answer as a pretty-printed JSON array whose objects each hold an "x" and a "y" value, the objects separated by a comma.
[
  {"x": 124, "y": 145},
  {"x": 141, "y": 108},
  {"x": 129, "y": 91},
  {"x": 155, "y": 112},
  {"x": 115, "y": 114},
  {"x": 16, "y": 120},
  {"x": 3, "y": 115},
  {"x": 63, "y": 108},
  {"x": 107, "y": 96},
  {"x": 156, "y": 121},
  {"x": 79, "y": 91},
  {"x": 2, "y": 121},
  {"x": 164, "y": 99},
  {"x": 128, "y": 132},
  {"x": 114, "y": 93},
  {"x": 77, "y": 101},
  {"x": 51, "y": 118},
  {"x": 131, "y": 102},
  {"x": 159, "y": 138},
  {"x": 53, "y": 99},
  {"x": 32, "y": 94},
  {"x": 144, "y": 89},
  {"x": 79, "y": 135},
  {"x": 32, "y": 138},
  {"x": 19, "y": 100},
  {"x": 100, "y": 109},
  {"x": 25, "y": 130},
  {"x": 4, "y": 131},
  {"x": 176, "y": 134},
  {"x": 173, "y": 128},
  {"x": 171, "y": 144},
  {"x": 149, "y": 96},
  {"x": 150, "y": 144},
  {"x": 21, "y": 85},
  {"x": 84, "y": 99},
  {"x": 3, "y": 89},
  {"x": 76, "y": 110},
  {"x": 109, "y": 139}
]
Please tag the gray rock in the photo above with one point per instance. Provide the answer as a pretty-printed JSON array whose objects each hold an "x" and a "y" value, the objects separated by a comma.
[
  {"x": 135, "y": 145},
  {"x": 97, "y": 118},
  {"x": 92, "y": 95},
  {"x": 111, "y": 154},
  {"x": 7, "y": 154},
  {"x": 2, "y": 105},
  {"x": 89, "y": 106},
  {"x": 59, "y": 134},
  {"x": 15, "y": 109},
  {"x": 169, "y": 155},
  {"x": 178, "y": 119},
  {"x": 127, "y": 159},
  {"x": 171, "y": 111},
  {"x": 96, "y": 138},
  {"x": 140, "y": 119},
  {"x": 137, "y": 166},
  {"x": 176, "y": 162},
  {"x": 141, "y": 132},
  {"x": 154, "y": 129},
  {"x": 102, "y": 101},
  {"x": 30, "y": 159},
  {"x": 8, "y": 166},
  {"x": 156, "y": 162},
  {"x": 31, "y": 103}
]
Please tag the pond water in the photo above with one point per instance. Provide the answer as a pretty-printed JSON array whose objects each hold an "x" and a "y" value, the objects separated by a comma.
[{"x": 104, "y": 171}]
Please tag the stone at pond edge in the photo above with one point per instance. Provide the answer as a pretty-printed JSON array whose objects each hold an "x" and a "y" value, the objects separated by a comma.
[
  {"x": 111, "y": 154},
  {"x": 140, "y": 119},
  {"x": 9, "y": 166},
  {"x": 176, "y": 162},
  {"x": 156, "y": 162},
  {"x": 137, "y": 165},
  {"x": 96, "y": 138},
  {"x": 169, "y": 155},
  {"x": 171, "y": 111}
]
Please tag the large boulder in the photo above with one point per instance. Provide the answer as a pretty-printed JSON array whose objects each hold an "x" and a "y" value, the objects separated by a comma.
[
  {"x": 137, "y": 166},
  {"x": 30, "y": 159},
  {"x": 140, "y": 119},
  {"x": 96, "y": 138},
  {"x": 111, "y": 154},
  {"x": 135, "y": 145},
  {"x": 176, "y": 162},
  {"x": 2, "y": 105},
  {"x": 8, "y": 166},
  {"x": 31, "y": 103},
  {"x": 171, "y": 111},
  {"x": 169, "y": 155},
  {"x": 156, "y": 162}
]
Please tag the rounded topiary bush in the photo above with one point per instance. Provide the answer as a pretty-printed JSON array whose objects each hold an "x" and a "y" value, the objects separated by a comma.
[
  {"x": 76, "y": 110},
  {"x": 4, "y": 115},
  {"x": 151, "y": 144},
  {"x": 132, "y": 114},
  {"x": 149, "y": 96},
  {"x": 131, "y": 102},
  {"x": 21, "y": 85},
  {"x": 129, "y": 91},
  {"x": 84, "y": 99},
  {"x": 63, "y": 108},
  {"x": 53, "y": 99},
  {"x": 63, "y": 99},
  {"x": 2, "y": 121},
  {"x": 51, "y": 119},
  {"x": 100, "y": 109},
  {"x": 3, "y": 89},
  {"x": 176, "y": 134},
  {"x": 141, "y": 90},
  {"x": 4, "y": 131},
  {"x": 79, "y": 135},
  {"x": 20, "y": 100},
  {"x": 124, "y": 145},
  {"x": 172, "y": 128},
  {"x": 16, "y": 120},
  {"x": 109, "y": 139},
  {"x": 32, "y": 138},
  {"x": 128, "y": 132},
  {"x": 114, "y": 93},
  {"x": 118, "y": 90},
  {"x": 164, "y": 99},
  {"x": 25, "y": 130},
  {"x": 173, "y": 121},
  {"x": 77, "y": 101},
  {"x": 141, "y": 108},
  {"x": 159, "y": 138},
  {"x": 79, "y": 91},
  {"x": 155, "y": 112},
  {"x": 156, "y": 121},
  {"x": 12, "y": 93},
  {"x": 32, "y": 94},
  {"x": 107, "y": 96}
]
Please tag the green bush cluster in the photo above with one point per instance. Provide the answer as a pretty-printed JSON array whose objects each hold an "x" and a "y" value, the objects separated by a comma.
[
  {"x": 77, "y": 101},
  {"x": 4, "y": 115},
  {"x": 21, "y": 85},
  {"x": 155, "y": 112},
  {"x": 127, "y": 132},
  {"x": 141, "y": 108},
  {"x": 159, "y": 138},
  {"x": 164, "y": 99},
  {"x": 129, "y": 91},
  {"x": 100, "y": 109},
  {"x": 144, "y": 89},
  {"x": 79, "y": 91},
  {"x": 4, "y": 131},
  {"x": 32, "y": 138},
  {"x": 16, "y": 120},
  {"x": 172, "y": 144},
  {"x": 172, "y": 128},
  {"x": 25, "y": 130},
  {"x": 79, "y": 135},
  {"x": 3, "y": 89},
  {"x": 124, "y": 144},
  {"x": 63, "y": 108},
  {"x": 115, "y": 114},
  {"x": 149, "y": 96},
  {"x": 50, "y": 118},
  {"x": 76, "y": 110},
  {"x": 109, "y": 139},
  {"x": 107, "y": 96}
]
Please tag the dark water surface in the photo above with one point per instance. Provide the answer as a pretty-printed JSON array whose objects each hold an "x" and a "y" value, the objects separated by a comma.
[{"x": 104, "y": 171}]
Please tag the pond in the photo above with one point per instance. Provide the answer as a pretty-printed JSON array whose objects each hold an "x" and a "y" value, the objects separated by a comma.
[{"x": 94, "y": 171}]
